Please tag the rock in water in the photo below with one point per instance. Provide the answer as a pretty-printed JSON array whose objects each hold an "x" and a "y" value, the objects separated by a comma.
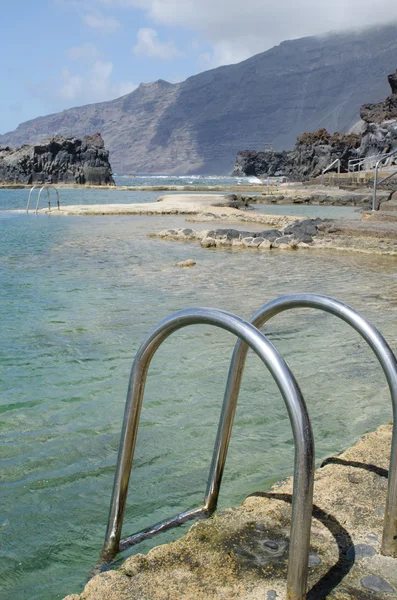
[
  {"x": 186, "y": 263},
  {"x": 58, "y": 160}
]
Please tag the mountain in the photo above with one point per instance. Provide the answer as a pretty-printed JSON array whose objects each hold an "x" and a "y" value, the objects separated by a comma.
[{"x": 199, "y": 125}]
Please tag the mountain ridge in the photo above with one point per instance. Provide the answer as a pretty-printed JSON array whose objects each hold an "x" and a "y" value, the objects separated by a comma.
[{"x": 199, "y": 125}]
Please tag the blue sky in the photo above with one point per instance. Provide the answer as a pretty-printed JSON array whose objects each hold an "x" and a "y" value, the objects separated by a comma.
[{"x": 55, "y": 54}]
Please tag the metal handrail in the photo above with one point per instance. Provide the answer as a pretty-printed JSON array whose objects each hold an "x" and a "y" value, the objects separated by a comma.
[
  {"x": 357, "y": 162},
  {"x": 336, "y": 161},
  {"x": 30, "y": 195},
  {"x": 48, "y": 187},
  {"x": 383, "y": 353},
  {"x": 303, "y": 437},
  {"x": 376, "y": 178}
]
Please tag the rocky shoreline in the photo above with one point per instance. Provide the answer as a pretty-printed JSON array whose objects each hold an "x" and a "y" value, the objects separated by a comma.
[
  {"x": 313, "y": 152},
  {"x": 377, "y": 234},
  {"x": 242, "y": 552},
  {"x": 304, "y": 234},
  {"x": 57, "y": 160}
]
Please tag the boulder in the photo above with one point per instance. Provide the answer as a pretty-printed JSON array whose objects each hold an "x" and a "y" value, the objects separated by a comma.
[
  {"x": 208, "y": 242},
  {"x": 186, "y": 263},
  {"x": 58, "y": 160}
]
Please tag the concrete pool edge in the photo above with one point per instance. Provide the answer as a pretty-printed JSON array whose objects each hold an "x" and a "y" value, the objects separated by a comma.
[{"x": 242, "y": 553}]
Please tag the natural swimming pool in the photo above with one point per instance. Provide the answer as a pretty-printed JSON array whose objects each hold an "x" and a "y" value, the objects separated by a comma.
[{"x": 77, "y": 297}]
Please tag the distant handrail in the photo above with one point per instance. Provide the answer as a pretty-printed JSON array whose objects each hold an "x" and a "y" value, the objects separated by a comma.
[
  {"x": 48, "y": 187},
  {"x": 302, "y": 433},
  {"x": 358, "y": 162},
  {"x": 336, "y": 161},
  {"x": 376, "y": 183},
  {"x": 30, "y": 195}
]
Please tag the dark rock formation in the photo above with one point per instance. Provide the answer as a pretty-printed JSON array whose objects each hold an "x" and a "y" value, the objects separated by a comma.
[
  {"x": 58, "y": 160},
  {"x": 379, "y": 135},
  {"x": 313, "y": 152},
  {"x": 199, "y": 125},
  {"x": 392, "y": 79},
  {"x": 382, "y": 111}
]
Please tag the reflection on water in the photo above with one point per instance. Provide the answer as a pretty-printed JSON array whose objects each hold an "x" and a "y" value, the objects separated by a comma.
[{"x": 77, "y": 297}]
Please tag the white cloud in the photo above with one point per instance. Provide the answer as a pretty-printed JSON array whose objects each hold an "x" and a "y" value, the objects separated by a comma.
[
  {"x": 148, "y": 44},
  {"x": 102, "y": 23},
  {"x": 94, "y": 86},
  {"x": 238, "y": 29},
  {"x": 87, "y": 51},
  {"x": 224, "y": 53},
  {"x": 73, "y": 89}
]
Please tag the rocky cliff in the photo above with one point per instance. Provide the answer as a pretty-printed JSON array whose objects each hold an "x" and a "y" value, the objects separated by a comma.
[
  {"x": 379, "y": 132},
  {"x": 314, "y": 151},
  {"x": 200, "y": 124},
  {"x": 58, "y": 160}
]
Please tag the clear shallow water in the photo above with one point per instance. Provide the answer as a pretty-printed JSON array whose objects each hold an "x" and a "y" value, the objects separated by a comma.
[
  {"x": 17, "y": 199},
  {"x": 77, "y": 296}
]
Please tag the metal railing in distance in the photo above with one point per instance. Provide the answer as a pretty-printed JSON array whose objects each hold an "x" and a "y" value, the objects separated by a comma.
[
  {"x": 383, "y": 353},
  {"x": 368, "y": 162},
  {"x": 30, "y": 195},
  {"x": 376, "y": 182},
  {"x": 48, "y": 187},
  {"x": 303, "y": 437},
  {"x": 335, "y": 163}
]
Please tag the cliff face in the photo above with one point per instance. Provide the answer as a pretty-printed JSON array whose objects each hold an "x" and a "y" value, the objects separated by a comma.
[
  {"x": 313, "y": 152},
  {"x": 58, "y": 160},
  {"x": 199, "y": 125},
  {"x": 380, "y": 124}
]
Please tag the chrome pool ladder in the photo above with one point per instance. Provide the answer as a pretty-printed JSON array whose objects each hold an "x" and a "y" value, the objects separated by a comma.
[
  {"x": 303, "y": 438},
  {"x": 249, "y": 336},
  {"x": 47, "y": 187}
]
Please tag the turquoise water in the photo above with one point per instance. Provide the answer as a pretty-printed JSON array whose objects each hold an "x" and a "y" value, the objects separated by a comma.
[
  {"x": 77, "y": 296},
  {"x": 17, "y": 200}
]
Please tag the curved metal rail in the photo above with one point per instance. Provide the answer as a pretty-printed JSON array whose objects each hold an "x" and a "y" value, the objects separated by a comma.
[
  {"x": 383, "y": 353},
  {"x": 30, "y": 195},
  {"x": 337, "y": 161},
  {"x": 362, "y": 162},
  {"x": 48, "y": 187},
  {"x": 304, "y": 445},
  {"x": 376, "y": 182}
]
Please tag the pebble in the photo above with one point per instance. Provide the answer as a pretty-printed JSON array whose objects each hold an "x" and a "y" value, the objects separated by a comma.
[
  {"x": 376, "y": 584},
  {"x": 361, "y": 551},
  {"x": 271, "y": 595},
  {"x": 354, "y": 478},
  {"x": 314, "y": 559}
]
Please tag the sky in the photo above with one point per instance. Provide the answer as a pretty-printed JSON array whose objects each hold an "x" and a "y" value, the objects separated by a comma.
[{"x": 56, "y": 54}]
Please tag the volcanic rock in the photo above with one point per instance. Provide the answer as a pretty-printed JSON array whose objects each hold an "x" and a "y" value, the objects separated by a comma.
[{"x": 58, "y": 160}]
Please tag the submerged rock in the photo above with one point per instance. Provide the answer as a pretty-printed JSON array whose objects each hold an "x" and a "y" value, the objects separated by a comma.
[{"x": 186, "y": 263}]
